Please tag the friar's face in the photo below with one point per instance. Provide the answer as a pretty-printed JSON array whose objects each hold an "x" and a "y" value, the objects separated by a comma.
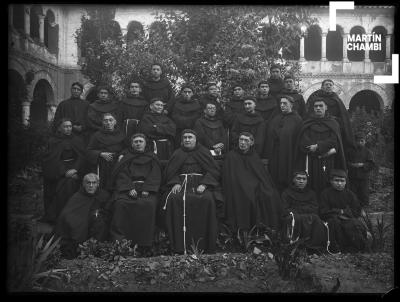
[
  {"x": 66, "y": 128},
  {"x": 157, "y": 107},
  {"x": 90, "y": 184},
  {"x": 320, "y": 108},
  {"x": 134, "y": 89},
  {"x": 187, "y": 94},
  {"x": 289, "y": 84},
  {"x": 264, "y": 89},
  {"x": 338, "y": 183},
  {"x": 249, "y": 106},
  {"x": 76, "y": 91},
  {"x": 109, "y": 122},
  {"x": 300, "y": 181},
  {"x": 213, "y": 90},
  {"x": 286, "y": 105},
  {"x": 238, "y": 91},
  {"x": 103, "y": 94},
  {"x": 189, "y": 140},
  {"x": 156, "y": 71},
  {"x": 275, "y": 73},
  {"x": 327, "y": 86},
  {"x": 139, "y": 144},
  {"x": 245, "y": 142}
]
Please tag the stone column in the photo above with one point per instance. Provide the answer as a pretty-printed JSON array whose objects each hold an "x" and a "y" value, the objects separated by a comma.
[
  {"x": 27, "y": 19},
  {"x": 26, "y": 112},
  {"x": 41, "y": 28},
  {"x": 302, "y": 49},
  {"x": 10, "y": 15},
  {"x": 345, "y": 36},
  {"x": 366, "y": 55},
  {"x": 323, "y": 47},
  {"x": 388, "y": 56}
]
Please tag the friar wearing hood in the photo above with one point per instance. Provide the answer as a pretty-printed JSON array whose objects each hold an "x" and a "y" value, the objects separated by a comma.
[
  {"x": 275, "y": 80},
  {"x": 319, "y": 146},
  {"x": 267, "y": 104},
  {"x": 135, "y": 181},
  {"x": 63, "y": 168},
  {"x": 104, "y": 149},
  {"x": 192, "y": 196},
  {"x": 234, "y": 106},
  {"x": 185, "y": 111},
  {"x": 249, "y": 121},
  {"x": 336, "y": 109},
  {"x": 160, "y": 130},
  {"x": 213, "y": 95},
  {"x": 251, "y": 199},
  {"x": 299, "y": 105},
  {"x": 132, "y": 108},
  {"x": 96, "y": 110},
  {"x": 158, "y": 86}
]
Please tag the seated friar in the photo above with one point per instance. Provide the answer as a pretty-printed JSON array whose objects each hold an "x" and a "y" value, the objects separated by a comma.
[{"x": 84, "y": 216}]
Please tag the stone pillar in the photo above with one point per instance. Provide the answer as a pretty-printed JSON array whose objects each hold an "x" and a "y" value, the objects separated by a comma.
[
  {"x": 51, "y": 111},
  {"x": 41, "y": 28},
  {"x": 26, "y": 112},
  {"x": 27, "y": 20},
  {"x": 388, "y": 56},
  {"x": 345, "y": 36},
  {"x": 366, "y": 55},
  {"x": 323, "y": 47},
  {"x": 302, "y": 49},
  {"x": 10, "y": 15}
]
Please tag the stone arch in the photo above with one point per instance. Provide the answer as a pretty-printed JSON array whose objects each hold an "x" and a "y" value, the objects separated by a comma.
[
  {"x": 312, "y": 43},
  {"x": 379, "y": 55},
  {"x": 47, "y": 10},
  {"x": 43, "y": 96},
  {"x": 35, "y": 11},
  {"x": 368, "y": 99},
  {"x": 334, "y": 44},
  {"x": 338, "y": 88},
  {"x": 42, "y": 75},
  {"x": 87, "y": 89},
  {"x": 383, "y": 100},
  {"x": 356, "y": 55},
  {"x": 51, "y": 32},
  {"x": 16, "y": 94},
  {"x": 17, "y": 66}
]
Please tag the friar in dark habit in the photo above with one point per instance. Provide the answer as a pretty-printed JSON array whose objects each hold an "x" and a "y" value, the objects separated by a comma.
[
  {"x": 275, "y": 80},
  {"x": 135, "y": 181},
  {"x": 336, "y": 109},
  {"x": 192, "y": 196},
  {"x": 340, "y": 208},
  {"x": 212, "y": 94},
  {"x": 249, "y": 121},
  {"x": 85, "y": 216},
  {"x": 104, "y": 104},
  {"x": 267, "y": 105},
  {"x": 319, "y": 146},
  {"x": 158, "y": 86},
  {"x": 251, "y": 198},
  {"x": 104, "y": 149},
  {"x": 75, "y": 109},
  {"x": 279, "y": 147},
  {"x": 234, "y": 105},
  {"x": 185, "y": 111},
  {"x": 159, "y": 129},
  {"x": 63, "y": 168},
  {"x": 132, "y": 108},
  {"x": 211, "y": 132},
  {"x": 289, "y": 89},
  {"x": 301, "y": 214}
]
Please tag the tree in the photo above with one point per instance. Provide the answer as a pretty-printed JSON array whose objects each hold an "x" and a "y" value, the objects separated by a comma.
[{"x": 199, "y": 44}]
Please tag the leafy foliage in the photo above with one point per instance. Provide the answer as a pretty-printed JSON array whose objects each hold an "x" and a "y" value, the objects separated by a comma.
[{"x": 195, "y": 44}]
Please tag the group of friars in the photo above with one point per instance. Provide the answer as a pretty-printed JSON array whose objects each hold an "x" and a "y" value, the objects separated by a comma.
[{"x": 190, "y": 164}]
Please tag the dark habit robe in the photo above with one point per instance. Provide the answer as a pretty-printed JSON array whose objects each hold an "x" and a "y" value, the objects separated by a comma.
[
  {"x": 346, "y": 231},
  {"x": 159, "y": 89},
  {"x": 75, "y": 109},
  {"x": 251, "y": 198},
  {"x": 210, "y": 131},
  {"x": 105, "y": 141},
  {"x": 131, "y": 110},
  {"x": 279, "y": 147},
  {"x": 249, "y": 122},
  {"x": 65, "y": 152},
  {"x": 84, "y": 216},
  {"x": 275, "y": 86},
  {"x": 326, "y": 133},
  {"x": 336, "y": 109},
  {"x": 95, "y": 113},
  {"x": 200, "y": 209},
  {"x": 160, "y": 130},
  {"x": 303, "y": 204},
  {"x": 135, "y": 218},
  {"x": 267, "y": 107},
  {"x": 232, "y": 108},
  {"x": 299, "y": 104},
  {"x": 185, "y": 114}
]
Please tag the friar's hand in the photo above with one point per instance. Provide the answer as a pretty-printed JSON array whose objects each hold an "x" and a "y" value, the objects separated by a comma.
[
  {"x": 312, "y": 148},
  {"x": 107, "y": 156},
  {"x": 145, "y": 194},
  {"x": 133, "y": 193},
  {"x": 176, "y": 189},
  {"x": 201, "y": 189}
]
